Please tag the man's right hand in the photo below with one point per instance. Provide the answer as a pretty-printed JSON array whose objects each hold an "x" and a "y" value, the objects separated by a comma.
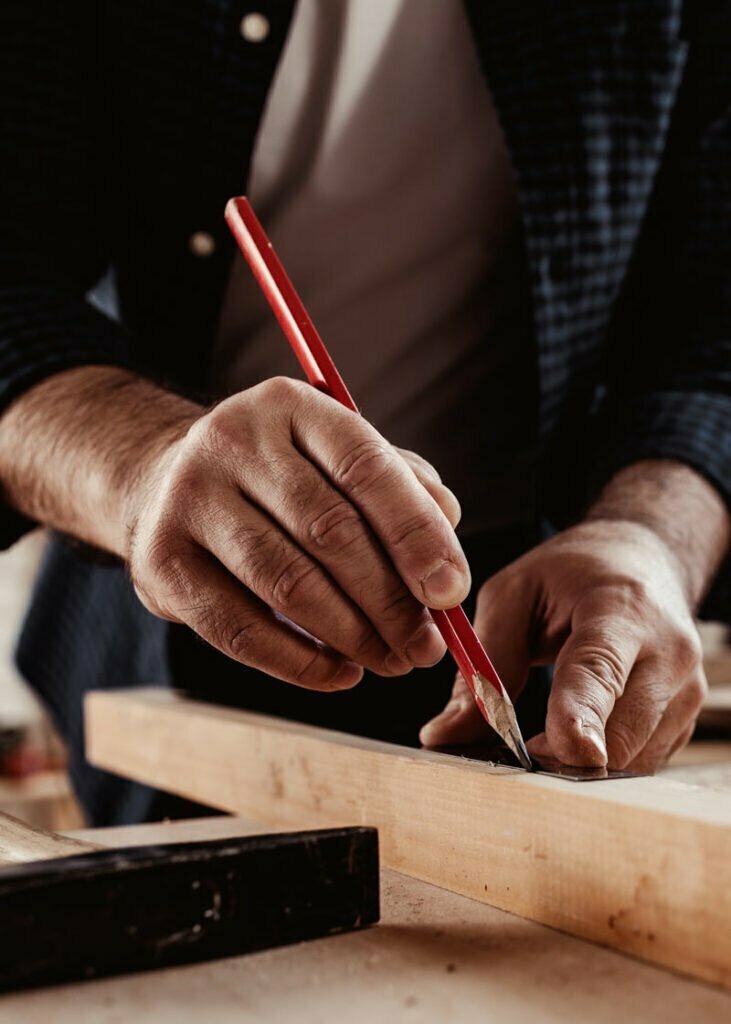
[{"x": 280, "y": 509}]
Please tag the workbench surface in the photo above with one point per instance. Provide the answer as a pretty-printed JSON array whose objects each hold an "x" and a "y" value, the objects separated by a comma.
[{"x": 435, "y": 957}]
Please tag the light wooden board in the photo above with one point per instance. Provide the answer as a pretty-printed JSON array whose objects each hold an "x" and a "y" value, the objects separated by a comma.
[
  {"x": 716, "y": 711},
  {"x": 718, "y": 669},
  {"x": 436, "y": 958},
  {"x": 700, "y": 752},
  {"x": 44, "y": 800},
  {"x": 702, "y": 763},
  {"x": 643, "y": 865}
]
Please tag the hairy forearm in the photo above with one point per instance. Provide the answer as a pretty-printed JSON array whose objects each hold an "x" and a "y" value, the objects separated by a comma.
[
  {"x": 74, "y": 447},
  {"x": 681, "y": 507}
]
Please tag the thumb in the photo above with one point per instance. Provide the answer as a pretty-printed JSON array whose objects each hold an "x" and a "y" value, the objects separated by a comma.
[
  {"x": 589, "y": 677},
  {"x": 503, "y": 624}
]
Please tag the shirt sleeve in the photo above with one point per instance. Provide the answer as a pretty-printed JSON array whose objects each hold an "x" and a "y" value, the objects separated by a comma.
[
  {"x": 668, "y": 376},
  {"x": 54, "y": 236}
]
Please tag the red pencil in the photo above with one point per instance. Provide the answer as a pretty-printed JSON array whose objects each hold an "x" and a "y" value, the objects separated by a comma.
[{"x": 464, "y": 645}]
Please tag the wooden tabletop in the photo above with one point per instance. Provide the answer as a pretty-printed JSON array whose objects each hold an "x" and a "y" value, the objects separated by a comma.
[{"x": 435, "y": 957}]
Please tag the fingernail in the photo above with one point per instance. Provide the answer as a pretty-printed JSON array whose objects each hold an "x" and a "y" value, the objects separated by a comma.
[
  {"x": 426, "y": 646},
  {"x": 596, "y": 740},
  {"x": 396, "y": 664},
  {"x": 347, "y": 675},
  {"x": 446, "y": 585}
]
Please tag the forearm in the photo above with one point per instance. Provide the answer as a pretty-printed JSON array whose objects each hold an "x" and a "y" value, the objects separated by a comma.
[
  {"x": 73, "y": 448},
  {"x": 681, "y": 507}
]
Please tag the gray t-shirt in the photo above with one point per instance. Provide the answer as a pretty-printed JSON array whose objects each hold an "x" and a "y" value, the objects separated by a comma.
[{"x": 381, "y": 175}]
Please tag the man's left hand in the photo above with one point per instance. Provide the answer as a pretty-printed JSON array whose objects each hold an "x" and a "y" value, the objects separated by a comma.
[{"x": 605, "y": 602}]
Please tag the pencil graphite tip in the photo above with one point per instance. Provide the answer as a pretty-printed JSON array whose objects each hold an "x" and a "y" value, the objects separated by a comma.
[
  {"x": 501, "y": 716},
  {"x": 521, "y": 752}
]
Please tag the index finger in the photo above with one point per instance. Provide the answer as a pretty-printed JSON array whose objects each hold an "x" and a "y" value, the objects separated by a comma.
[
  {"x": 407, "y": 520},
  {"x": 590, "y": 675}
]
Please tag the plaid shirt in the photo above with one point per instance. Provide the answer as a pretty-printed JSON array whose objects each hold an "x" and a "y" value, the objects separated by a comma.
[{"x": 126, "y": 124}]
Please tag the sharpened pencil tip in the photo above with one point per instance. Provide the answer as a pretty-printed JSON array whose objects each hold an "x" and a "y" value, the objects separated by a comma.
[
  {"x": 500, "y": 714},
  {"x": 522, "y": 754}
]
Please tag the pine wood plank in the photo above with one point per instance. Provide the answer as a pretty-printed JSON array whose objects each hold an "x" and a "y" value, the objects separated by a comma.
[{"x": 642, "y": 865}]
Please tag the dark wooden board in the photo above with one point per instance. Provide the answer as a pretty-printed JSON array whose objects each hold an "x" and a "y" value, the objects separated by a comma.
[{"x": 116, "y": 911}]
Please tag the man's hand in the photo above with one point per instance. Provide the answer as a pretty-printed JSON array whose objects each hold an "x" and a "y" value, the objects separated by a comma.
[
  {"x": 610, "y": 603},
  {"x": 604, "y": 601},
  {"x": 273, "y": 519},
  {"x": 281, "y": 507}
]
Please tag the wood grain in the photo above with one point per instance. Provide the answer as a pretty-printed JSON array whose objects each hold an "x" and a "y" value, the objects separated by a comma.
[
  {"x": 642, "y": 865},
  {"x": 21, "y": 843}
]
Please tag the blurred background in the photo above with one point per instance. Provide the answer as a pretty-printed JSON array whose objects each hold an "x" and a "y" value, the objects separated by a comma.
[{"x": 33, "y": 781}]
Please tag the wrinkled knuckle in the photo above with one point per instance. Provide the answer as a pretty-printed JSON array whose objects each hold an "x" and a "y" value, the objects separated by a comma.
[
  {"x": 603, "y": 666},
  {"x": 414, "y": 528},
  {"x": 249, "y": 554},
  {"x": 186, "y": 489},
  {"x": 239, "y": 640},
  {"x": 687, "y": 651},
  {"x": 236, "y": 639},
  {"x": 218, "y": 432},
  {"x": 366, "y": 645},
  {"x": 339, "y": 527},
  {"x": 638, "y": 595},
  {"x": 166, "y": 563},
  {"x": 396, "y": 603},
  {"x": 364, "y": 465},
  {"x": 282, "y": 391},
  {"x": 293, "y": 582},
  {"x": 254, "y": 560},
  {"x": 696, "y": 690}
]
